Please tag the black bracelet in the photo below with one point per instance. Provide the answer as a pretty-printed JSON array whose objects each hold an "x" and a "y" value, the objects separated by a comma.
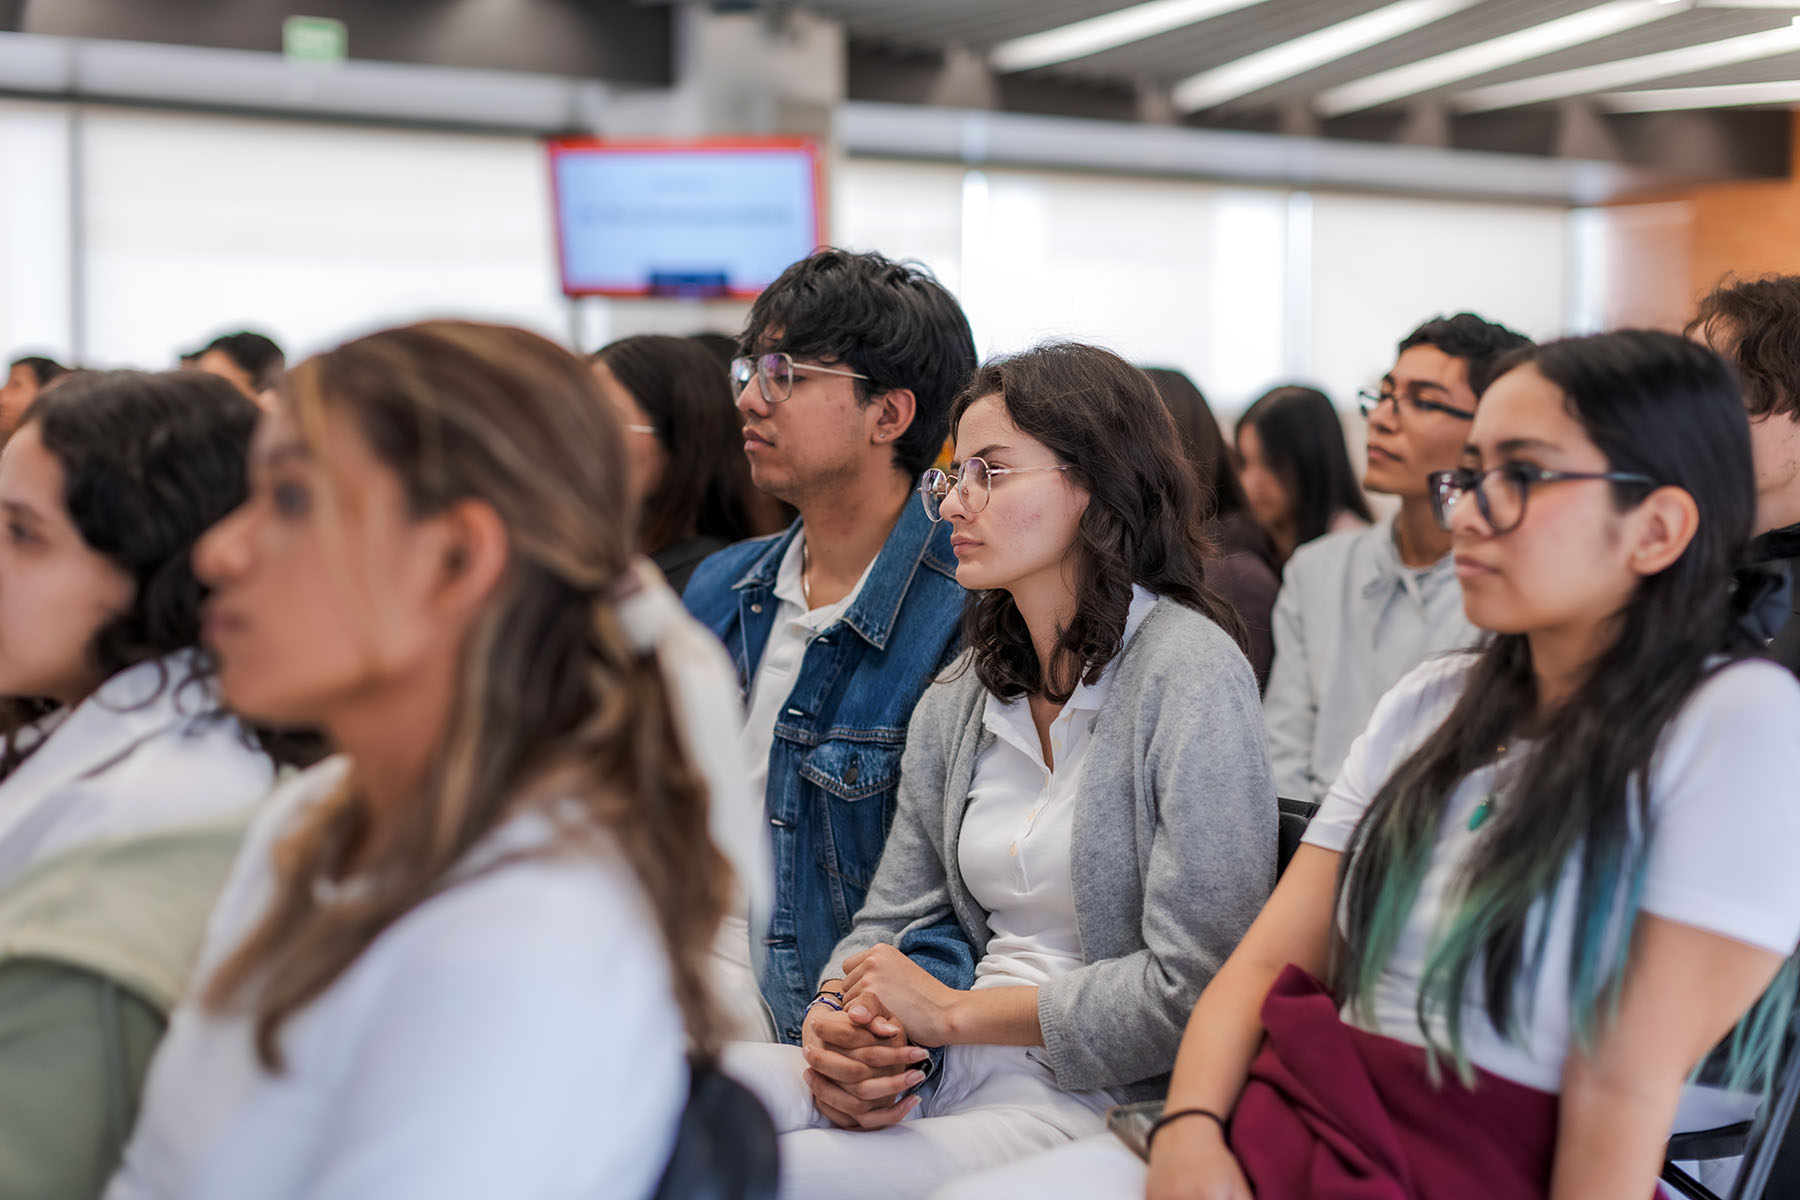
[{"x": 1178, "y": 1114}]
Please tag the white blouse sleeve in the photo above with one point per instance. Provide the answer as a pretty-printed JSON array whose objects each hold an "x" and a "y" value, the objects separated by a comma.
[
  {"x": 1726, "y": 810},
  {"x": 1408, "y": 714}
]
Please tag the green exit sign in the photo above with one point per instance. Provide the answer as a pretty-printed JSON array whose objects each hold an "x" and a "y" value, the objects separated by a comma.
[{"x": 315, "y": 39}]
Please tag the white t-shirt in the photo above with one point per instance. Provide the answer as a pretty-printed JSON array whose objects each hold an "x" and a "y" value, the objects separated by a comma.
[
  {"x": 1725, "y": 813},
  {"x": 794, "y": 629},
  {"x": 515, "y": 1035},
  {"x": 1014, "y": 850}
]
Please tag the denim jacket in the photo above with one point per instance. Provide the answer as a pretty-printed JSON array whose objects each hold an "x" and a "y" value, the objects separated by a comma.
[{"x": 834, "y": 767}]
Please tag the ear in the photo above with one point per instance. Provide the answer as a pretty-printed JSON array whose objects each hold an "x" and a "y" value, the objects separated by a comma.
[
  {"x": 894, "y": 411},
  {"x": 1663, "y": 526},
  {"x": 474, "y": 550}
]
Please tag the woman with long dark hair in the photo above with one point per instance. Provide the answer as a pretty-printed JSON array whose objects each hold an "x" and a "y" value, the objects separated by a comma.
[
  {"x": 468, "y": 956},
  {"x": 1245, "y": 573},
  {"x": 1296, "y": 476},
  {"x": 1086, "y": 818},
  {"x": 688, "y": 472}
]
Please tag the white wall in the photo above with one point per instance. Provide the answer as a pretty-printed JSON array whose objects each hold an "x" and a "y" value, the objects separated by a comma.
[
  {"x": 1243, "y": 288},
  {"x": 196, "y": 224},
  {"x": 199, "y": 224}
]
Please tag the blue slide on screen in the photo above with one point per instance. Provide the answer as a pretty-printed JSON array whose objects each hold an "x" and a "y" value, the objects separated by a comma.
[{"x": 673, "y": 220}]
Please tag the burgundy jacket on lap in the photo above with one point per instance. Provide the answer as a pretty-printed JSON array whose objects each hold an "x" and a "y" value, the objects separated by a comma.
[{"x": 1333, "y": 1113}]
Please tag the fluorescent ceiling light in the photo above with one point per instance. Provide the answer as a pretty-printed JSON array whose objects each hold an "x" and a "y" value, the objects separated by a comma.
[
  {"x": 1627, "y": 71},
  {"x": 1256, "y": 71},
  {"x": 1576, "y": 29},
  {"x": 1731, "y": 95},
  {"x": 1107, "y": 31},
  {"x": 1787, "y": 4}
]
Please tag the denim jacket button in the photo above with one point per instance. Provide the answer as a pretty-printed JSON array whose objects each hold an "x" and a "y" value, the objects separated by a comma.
[
  {"x": 852, "y": 772},
  {"x": 756, "y": 607}
]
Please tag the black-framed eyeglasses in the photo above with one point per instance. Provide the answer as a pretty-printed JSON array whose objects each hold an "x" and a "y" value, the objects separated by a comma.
[
  {"x": 774, "y": 373},
  {"x": 1500, "y": 492},
  {"x": 1368, "y": 403},
  {"x": 973, "y": 485}
]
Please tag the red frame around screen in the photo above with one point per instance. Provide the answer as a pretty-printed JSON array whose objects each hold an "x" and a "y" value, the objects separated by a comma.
[{"x": 588, "y": 145}]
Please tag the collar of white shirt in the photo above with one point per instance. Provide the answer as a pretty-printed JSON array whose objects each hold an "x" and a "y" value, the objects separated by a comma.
[{"x": 1011, "y": 719}]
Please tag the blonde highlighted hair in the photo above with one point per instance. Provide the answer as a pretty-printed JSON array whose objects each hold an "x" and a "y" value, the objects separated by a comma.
[{"x": 555, "y": 703}]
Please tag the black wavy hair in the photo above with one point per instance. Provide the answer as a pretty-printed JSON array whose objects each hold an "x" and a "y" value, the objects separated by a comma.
[
  {"x": 150, "y": 462},
  {"x": 1479, "y": 342},
  {"x": 706, "y": 490},
  {"x": 1144, "y": 522},
  {"x": 891, "y": 321}
]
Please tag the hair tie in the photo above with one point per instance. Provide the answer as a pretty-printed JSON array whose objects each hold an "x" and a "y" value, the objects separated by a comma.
[
  {"x": 1762, "y": 599},
  {"x": 645, "y": 607}
]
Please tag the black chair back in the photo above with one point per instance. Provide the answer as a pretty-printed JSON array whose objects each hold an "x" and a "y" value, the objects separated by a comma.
[
  {"x": 1769, "y": 1145},
  {"x": 726, "y": 1147},
  {"x": 1293, "y": 817}
]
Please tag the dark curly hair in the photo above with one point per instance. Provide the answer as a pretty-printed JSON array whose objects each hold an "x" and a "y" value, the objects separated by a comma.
[
  {"x": 891, "y": 321},
  {"x": 149, "y": 462},
  {"x": 1144, "y": 522},
  {"x": 1755, "y": 323}
]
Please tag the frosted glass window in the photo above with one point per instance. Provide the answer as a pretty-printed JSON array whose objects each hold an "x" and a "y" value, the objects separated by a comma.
[
  {"x": 313, "y": 233},
  {"x": 35, "y": 313},
  {"x": 1382, "y": 265}
]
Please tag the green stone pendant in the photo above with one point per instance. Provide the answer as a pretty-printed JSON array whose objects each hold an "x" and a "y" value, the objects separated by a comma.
[{"x": 1479, "y": 817}]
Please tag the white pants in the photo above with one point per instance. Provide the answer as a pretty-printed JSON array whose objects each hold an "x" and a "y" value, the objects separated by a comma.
[
  {"x": 990, "y": 1105},
  {"x": 1095, "y": 1168}
]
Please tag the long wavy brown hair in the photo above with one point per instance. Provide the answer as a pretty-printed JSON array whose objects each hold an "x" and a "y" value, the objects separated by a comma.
[
  {"x": 1144, "y": 522},
  {"x": 556, "y": 707}
]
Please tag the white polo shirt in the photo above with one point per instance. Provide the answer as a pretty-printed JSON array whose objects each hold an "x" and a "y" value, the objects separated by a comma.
[{"x": 1014, "y": 850}]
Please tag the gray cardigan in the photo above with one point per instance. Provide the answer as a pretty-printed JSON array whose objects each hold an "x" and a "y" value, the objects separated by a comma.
[{"x": 1175, "y": 837}]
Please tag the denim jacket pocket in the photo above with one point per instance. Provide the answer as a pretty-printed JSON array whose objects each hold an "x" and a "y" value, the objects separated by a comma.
[
  {"x": 852, "y": 769},
  {"x": 854, "y": 784}
]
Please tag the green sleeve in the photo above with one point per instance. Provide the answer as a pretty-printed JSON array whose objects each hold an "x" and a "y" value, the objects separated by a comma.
[{"x": 73, "y": 1052}]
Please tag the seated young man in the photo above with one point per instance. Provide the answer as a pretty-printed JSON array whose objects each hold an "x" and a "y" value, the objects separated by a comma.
[
  {"x": 838, "y": 624},
  {"x": 1358, "y": 610}
]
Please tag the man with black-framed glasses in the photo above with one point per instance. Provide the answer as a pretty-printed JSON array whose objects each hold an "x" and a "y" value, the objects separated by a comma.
[
  {"x": 848, "y": 366},
  {"x": 1358, "y": 610}
]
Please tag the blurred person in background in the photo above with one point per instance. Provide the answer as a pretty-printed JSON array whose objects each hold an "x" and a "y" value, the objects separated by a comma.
[
  {"x": 1244, "y": 573},
  {"x": 251, "y": 362},
  {"x": 1755, "y": 324},
  {"x": 1358, "y": 610},
  {"x": 688, "y": 471},
  {"x": 465, "y": 958},
  {"x": 1296, "y": 474},
  {"x": 24, "y": 380},
  {"x": 124, "y": 785}
]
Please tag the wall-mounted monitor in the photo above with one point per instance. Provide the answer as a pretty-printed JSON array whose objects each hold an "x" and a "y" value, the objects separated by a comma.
[{"x": 720, "y": 217}]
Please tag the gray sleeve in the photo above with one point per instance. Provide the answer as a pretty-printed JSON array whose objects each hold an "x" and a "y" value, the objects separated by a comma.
[
  {"x": 1290, "y": 710},
  {"x": 911, "y": 888},
  {"x": 1211, "y": 865}
]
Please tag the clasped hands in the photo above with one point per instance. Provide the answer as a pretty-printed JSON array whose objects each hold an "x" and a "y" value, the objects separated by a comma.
[{"x": 863, "y": 1060}]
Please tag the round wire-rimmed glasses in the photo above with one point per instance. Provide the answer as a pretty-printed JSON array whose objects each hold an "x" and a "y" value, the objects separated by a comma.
[
  {"x": 1501, "y": 492},
  {"x": 774, "y": 373},
  {"x": 973, "y": 484}
]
